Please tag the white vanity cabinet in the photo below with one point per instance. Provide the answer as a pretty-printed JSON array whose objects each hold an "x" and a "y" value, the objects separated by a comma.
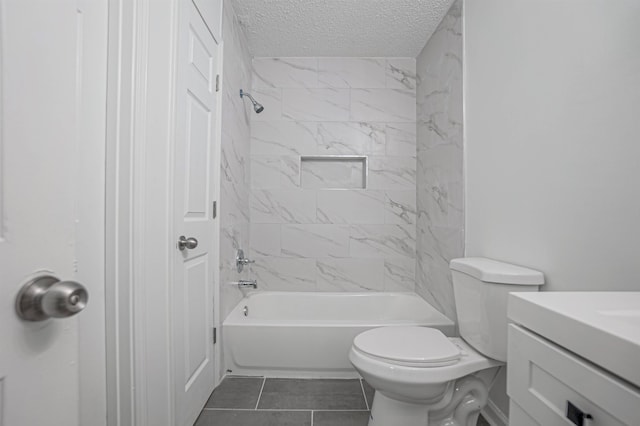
[
  {"x": 551, "y": 385},
  {"x": 543, "y": 379}
]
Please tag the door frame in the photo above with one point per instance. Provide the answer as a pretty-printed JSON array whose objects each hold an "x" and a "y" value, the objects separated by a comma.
[
  {"x": 90, "y": 211},
  {"x": 139, "y": 201}
]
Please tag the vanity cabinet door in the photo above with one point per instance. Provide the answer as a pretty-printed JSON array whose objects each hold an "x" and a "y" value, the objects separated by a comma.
[{"x": 544, "y": 378}]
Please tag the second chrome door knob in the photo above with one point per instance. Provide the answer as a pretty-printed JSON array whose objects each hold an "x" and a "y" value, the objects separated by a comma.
[{"x": 187, "y": 243}]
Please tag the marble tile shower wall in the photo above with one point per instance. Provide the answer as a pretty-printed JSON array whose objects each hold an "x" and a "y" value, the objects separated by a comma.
[
  {"x": 234, "y": 157},
  {"x": 440, "y": 227},
  {"x": 309, "y": 239}
]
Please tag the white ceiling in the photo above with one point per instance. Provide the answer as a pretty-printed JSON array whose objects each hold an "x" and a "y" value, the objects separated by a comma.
[{"x": 397, "y": 28}]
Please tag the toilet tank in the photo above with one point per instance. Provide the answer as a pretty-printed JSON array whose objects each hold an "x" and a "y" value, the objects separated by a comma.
[{"x": 481, "y": 287}]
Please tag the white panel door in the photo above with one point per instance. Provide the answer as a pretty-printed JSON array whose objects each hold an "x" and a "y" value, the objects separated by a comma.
[
  {"x": 210, "y": 10},
  {"x": 196, "y": 113},
  {"x": 45, "y": 120}
]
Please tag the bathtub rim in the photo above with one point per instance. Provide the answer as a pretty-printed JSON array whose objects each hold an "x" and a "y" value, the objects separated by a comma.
[{"x": 237, "y": 318}]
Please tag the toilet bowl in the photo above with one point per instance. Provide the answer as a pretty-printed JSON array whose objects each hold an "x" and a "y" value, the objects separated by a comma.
[
  {"x": 417, "y": 372},
  {"x": 423, "y": 378}
]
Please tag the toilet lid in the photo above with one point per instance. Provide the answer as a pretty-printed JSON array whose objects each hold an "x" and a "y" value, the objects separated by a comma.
[{"x": 414, "y": 346}]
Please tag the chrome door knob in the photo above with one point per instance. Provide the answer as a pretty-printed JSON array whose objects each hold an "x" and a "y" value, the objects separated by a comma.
[
  {"x": 189, "y": 243},
  {"x": 47, "y": 297}
]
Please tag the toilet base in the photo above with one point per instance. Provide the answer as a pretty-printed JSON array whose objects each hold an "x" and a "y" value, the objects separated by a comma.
[
  {"x": 460, "y": 406},
  {"x": 386, "y": 411}
]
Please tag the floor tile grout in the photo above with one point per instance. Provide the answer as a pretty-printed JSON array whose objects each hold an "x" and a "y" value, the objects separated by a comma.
[
  {"x": 364, "y": 395},
  {"x": 264, "y": 380},
  {"x": 360, "y": 410},
  {"x": 242, "y": 377},
  {"x": 311, "y": 417}
]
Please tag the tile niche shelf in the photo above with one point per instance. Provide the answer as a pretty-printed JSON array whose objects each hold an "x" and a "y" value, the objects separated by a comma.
[{"x": 333, "y": 171}]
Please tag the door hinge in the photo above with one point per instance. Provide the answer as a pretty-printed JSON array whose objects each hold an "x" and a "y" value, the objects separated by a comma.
[
  {"x": 215, "y": 209},
  {"x": 217, "y": 82},
  {"x": 215, "y": 335}
]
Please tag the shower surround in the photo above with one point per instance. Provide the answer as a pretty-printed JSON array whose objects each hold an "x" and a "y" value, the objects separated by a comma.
[
  {"x": 440, "y": 227},
  {"x": 308, "y": 239},
  {"x": 234, "y": 158}
]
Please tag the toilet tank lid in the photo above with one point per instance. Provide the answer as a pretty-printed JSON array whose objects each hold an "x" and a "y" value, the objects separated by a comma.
[{"x": 492, "y": 271}]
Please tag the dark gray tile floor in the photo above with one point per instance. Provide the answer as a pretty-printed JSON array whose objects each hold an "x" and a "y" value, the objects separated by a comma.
[
  {"x": 256, "y": 401},
  {"x": 241, "y": 392},
  {"x": 325, "y": 394},
  {"x": 482, "y": 421}
]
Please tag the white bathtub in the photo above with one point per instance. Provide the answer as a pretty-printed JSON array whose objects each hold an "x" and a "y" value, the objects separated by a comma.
[{"x": 296, "y": 334}]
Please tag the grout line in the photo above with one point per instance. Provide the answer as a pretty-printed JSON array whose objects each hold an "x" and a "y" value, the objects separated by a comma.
[
  {"x": 227, "y": 376},
  {"x": 364, "y": 395},
  {"x": 311, "y": 417},
  {"x": 260, "y": 394},
  {"x": 282, "y": 409}
]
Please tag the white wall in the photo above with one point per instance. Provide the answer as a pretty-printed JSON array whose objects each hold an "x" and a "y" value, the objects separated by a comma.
[
  {"x": 304, "y": 238},
  {"x": 552, "y": 138}
]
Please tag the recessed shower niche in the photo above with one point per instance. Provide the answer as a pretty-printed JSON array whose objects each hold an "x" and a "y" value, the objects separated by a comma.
[{"x": 333, "y": 172}]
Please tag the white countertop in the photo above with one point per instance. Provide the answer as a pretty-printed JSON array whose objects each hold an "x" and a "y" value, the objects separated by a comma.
[{"x": 602, "y": 327}]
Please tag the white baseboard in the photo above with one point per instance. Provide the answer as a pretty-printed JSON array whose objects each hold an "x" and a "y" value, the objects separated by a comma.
[{"x": 494, "y": 415}]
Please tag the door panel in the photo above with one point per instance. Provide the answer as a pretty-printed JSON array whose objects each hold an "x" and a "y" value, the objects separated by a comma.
[
  {"x": 197, "y": 184},
  {"x": 197, "y": 346},
  {"x": 210, "y": 12},
  {"x": 200, "y": 58},
  {"x": 196, "y": 112},
  {"x": 43, "y": 117}
]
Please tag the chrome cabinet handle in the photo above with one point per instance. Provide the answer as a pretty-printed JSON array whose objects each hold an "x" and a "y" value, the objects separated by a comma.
[
  {"x": 47, "y": 297},
  {"x": 189, "y": 243}
]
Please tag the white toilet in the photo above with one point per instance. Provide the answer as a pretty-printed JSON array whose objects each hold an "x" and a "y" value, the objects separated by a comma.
[{"x": 422, "y": 377}]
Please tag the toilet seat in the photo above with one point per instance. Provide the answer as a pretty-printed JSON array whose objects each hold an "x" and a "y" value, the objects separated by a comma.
[
  {"x": 419, "y": 347},
  {"x": 470, "y": 362}
]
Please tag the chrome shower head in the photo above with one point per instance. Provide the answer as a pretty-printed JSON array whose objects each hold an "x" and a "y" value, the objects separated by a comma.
[{"x": 257, "y": 107}]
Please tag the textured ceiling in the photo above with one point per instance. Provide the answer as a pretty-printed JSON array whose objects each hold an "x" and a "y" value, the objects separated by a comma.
[{"x": 397, "y": 28}]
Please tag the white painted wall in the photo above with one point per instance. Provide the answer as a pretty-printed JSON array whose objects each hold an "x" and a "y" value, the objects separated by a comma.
[{"x": 552, "y": 108}]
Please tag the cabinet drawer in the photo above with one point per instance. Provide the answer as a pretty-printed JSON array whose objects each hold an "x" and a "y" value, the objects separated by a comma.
[{"x": 543, "y": 377}]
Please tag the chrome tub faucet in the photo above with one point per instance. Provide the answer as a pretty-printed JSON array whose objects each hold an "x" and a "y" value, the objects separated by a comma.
[{"x": 248, "y": 283}]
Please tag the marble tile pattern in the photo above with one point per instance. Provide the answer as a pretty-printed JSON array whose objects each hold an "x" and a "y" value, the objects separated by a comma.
[
  {"x": 439, "y": 173},
  {"x": 234, "y": 157},
  {"x": 307, "y": 238},
  {"x": 322, "y": 174}
]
